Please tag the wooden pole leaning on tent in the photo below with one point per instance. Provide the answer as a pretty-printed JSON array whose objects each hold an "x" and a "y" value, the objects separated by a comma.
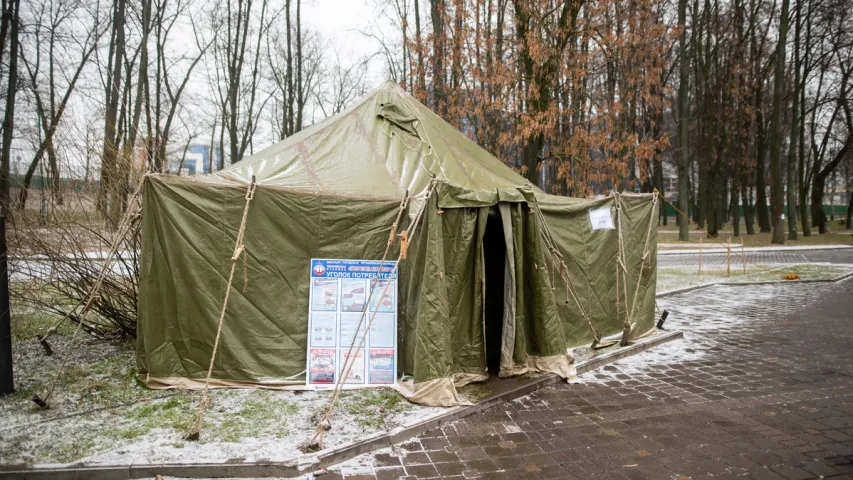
[
  {"x": 629, "y": 319},
  {"x": 239, "y": 249},
  {"x": 122, "y": 229},
  {"x": 545, "y": 233},
  {"x": 316, "y": 442}
]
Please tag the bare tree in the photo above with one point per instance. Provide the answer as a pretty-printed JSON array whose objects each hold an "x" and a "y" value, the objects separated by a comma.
[
  {"x": 341, "y": 85},
  {"x": 683, "y": 113},
  {"x": 169, "y": 83},
  {"x": 113, "y": 96},
  {"x": 237, "y": 68},
  {"x": 66, "y": 53},
  {"x": 11, "y": 21},
  {"x": 776, "y": 185},
  {"x": 294, "y": 78}
]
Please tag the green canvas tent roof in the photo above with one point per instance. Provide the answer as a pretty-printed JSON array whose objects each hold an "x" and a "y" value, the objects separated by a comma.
[
  {"x": 496, "y": 268},
  {"x": 386, "y": 144}
]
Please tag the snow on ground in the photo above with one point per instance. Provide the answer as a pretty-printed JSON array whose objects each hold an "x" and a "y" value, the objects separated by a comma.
[
  {"x": 241, "y": 425},
  {"x": 722, "y": 308},
  {"x": 674, "y": 278},
  {"x": 101, "y": 415}
]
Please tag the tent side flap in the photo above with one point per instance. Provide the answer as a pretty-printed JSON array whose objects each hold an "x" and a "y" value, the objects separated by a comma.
[{"x": 188, "y": 232}]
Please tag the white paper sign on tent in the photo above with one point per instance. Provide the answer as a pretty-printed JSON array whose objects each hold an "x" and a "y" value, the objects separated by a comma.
[{"x": 601, "y": 219}]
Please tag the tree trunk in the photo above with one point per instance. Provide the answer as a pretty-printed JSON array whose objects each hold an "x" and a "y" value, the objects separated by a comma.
[
  {"x": 702, "y": 201},
  {"x": 818, "y": 215},
  {"x": 760, "y": 176},
  {"x": 420, "y": 91},
  {"x": 211, "y": 152},
  {"x": 438, "y": 75},
  {"x": 776, "y": 187},
  {"x": 12, "y": 16},
  {"x": 735, "y": 208},
  {"x": 221, "y": 145},
  {"x": 123, "y": 167},
  {"x": 748, "y": 214},
  {"x": 819, "y": 184},
  {"x": 683, "y": 113},
  {"x": 795, "y": 123},
  {"x": 288, "y": 98},
  {"x": 300, "y": 94},
  {"x": 110, "y": 153},
  {"x": 53, "y": 162},
  {"x": 801, "y": 144}
]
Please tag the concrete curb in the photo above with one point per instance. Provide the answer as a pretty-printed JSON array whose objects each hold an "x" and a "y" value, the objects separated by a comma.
[
  {"x": 328, "y": 457},
  {"x": 743, "y": 284}
]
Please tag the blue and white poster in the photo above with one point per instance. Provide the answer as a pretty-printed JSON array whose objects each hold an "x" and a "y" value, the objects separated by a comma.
[{"x": 340, "y": 300}]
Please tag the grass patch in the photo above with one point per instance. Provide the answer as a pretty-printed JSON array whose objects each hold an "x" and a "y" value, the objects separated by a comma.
[
  {"x": 671, "y": 278},
  {"x": 261, "y": 415},
  {"x": 29, "y": 327},
  {"x": 370, "y": 407},
  {"x": 83, "y": 437},
  {"x": 69, "y": 450},
  {"x": 173, "y": 412}
]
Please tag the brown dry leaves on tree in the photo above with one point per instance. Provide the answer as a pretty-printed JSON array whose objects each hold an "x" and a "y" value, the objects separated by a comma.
[{"x": 577, "y": 88}]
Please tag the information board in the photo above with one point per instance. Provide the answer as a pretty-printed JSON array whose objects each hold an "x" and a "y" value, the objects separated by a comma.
[{"x": 338, "y": 297}]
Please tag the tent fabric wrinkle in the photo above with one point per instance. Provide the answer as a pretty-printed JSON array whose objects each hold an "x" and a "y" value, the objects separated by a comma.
[{"x": 334, "y": 190}]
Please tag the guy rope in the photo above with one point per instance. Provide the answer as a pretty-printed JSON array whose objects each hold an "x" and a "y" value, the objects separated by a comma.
[
  {"x": 239, "y": 249},
  {"x": 629, "y": 311},
  {"x": 557, "y": 257},
  {"x": 621, "y": 273},
  {"x": 316, "y": 441}
]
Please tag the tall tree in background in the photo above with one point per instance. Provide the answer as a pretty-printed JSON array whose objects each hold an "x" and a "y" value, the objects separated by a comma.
[
  {"x": 683, "y": 113},
  {"x": 170, "y": 82},
  {"x": 53, "y": 84},
  {"x": 776, "y": 185},
  {"x": 437, "y": 13},
  {"x": 791, "y": 186},
  {"x": 293, "y": 76},
  {"x": 11, "y": 23},
  {"x": 238, "y": 37},
  {"x": 113, "y": 95},
  {"x": 574, "y": 92},
  {"x": 542, "y": 34}
]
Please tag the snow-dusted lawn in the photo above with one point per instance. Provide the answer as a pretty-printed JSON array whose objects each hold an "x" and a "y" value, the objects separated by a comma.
[
  {"x": 100, "y": 414},
  {"x": 670, "y": 278}
]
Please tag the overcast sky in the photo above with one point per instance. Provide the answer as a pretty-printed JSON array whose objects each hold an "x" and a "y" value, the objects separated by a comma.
[{"x": 341, "y": 21}]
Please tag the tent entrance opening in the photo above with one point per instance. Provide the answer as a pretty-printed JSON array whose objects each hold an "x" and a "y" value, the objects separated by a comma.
[{"x": 494, "y": 263}]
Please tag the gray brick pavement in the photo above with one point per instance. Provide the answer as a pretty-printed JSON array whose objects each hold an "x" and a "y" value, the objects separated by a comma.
[{"x": 761, "y": 387}]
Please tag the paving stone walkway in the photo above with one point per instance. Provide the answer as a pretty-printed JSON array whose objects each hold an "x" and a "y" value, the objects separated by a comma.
[{"x": 761, "y": 387}]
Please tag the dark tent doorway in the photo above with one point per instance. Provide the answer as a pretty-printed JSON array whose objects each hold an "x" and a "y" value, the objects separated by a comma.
[{"x": 494, "y": 263}]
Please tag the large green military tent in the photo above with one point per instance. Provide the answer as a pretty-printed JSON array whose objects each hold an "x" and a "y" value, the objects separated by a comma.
[{"x": 499, "y": 277}]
